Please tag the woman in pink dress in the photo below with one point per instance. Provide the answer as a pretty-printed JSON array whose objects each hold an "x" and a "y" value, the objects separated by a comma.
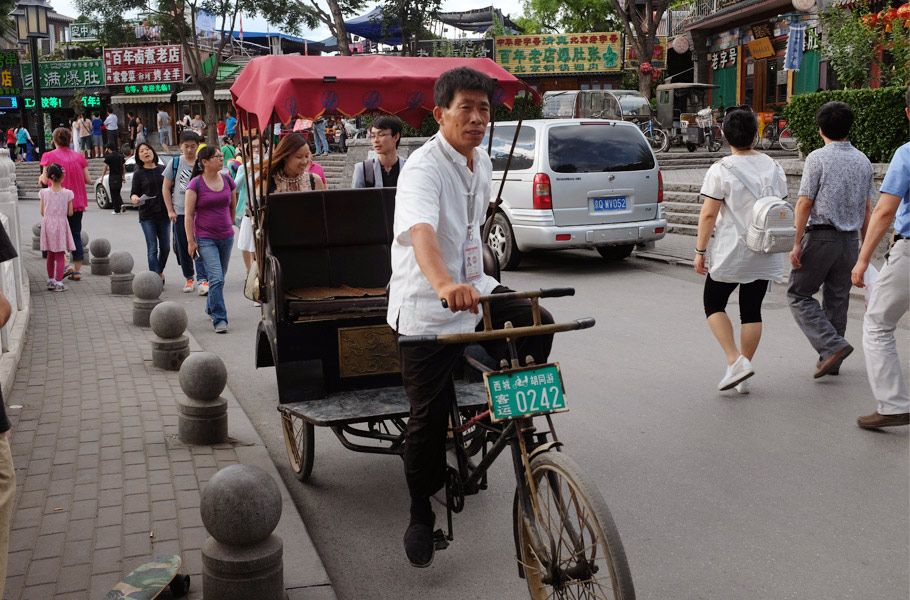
[
  {"x": 75, "y": 176},
  {"x": 56, "y": 237}
]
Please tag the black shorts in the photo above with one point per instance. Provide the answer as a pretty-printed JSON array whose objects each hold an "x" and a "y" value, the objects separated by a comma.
[{"x": 751, "y": 295}]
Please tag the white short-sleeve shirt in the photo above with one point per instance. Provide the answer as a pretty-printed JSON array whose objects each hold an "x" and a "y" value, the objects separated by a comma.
[
  {"x": 729, "y": 258},
  {"x": 432, "y": 190}
]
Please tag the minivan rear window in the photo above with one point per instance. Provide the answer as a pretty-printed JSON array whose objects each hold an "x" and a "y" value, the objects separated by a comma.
[
  {"x": 596, "y": 148},
  {"x": 522, "y": 158}
]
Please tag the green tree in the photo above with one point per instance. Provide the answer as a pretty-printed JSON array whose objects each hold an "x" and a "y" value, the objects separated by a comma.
[
  {"x": 182, "y": 16},
  {"x": 849, "y": 45},
  {"x": 411, "y": 17},
  {"x": 640, "y": 22},
  {"x": 7, "y": 25},
  {"x": 332, "y": 17},
  {"x": 568, "y": 16}
]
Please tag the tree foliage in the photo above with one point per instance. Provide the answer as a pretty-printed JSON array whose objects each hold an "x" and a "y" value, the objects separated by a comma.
[
  {"x": 640, "y": 22},
  {"x": 7, "y": 24},
  {"x": 849, "y": 46},
  {"x": 568, "y": 16},
  {"x": 332, "y": 17},
  {"x": 411, "y": 17}
]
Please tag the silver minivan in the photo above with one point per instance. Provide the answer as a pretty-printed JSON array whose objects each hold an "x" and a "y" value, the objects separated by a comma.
[{"x": 574, "y": 183}]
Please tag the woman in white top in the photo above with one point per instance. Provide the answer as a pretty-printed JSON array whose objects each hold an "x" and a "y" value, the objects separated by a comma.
[{"x": 726, "y": 211}]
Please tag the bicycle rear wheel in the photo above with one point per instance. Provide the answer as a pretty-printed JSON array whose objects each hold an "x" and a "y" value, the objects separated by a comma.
[
  {"x": 657, "y": 139},
  {"x": 787, "y": 140},
  {"x": 579, "y": 553}
]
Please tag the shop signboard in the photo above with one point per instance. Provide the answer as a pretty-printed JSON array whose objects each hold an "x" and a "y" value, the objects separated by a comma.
[
  {"x": 10, "y": 77},
  {"x": 66, "y": 74},
  {"x": 149, "y": 88},
  {"x": 146, "y": 64},
  {"x": 84, "y": 32},
  {"x": 723, "y": 58},
  {"x": 51, "y": 102},
  {"x": 456, "y": 48},
  {"x": 811, "y": 40},
  {"x": 658, "y": 57},
  {"x": 566, "y": 54}
]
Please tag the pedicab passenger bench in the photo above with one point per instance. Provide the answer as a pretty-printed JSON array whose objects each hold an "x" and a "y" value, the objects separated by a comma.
[{"x": 324, "y": 317}]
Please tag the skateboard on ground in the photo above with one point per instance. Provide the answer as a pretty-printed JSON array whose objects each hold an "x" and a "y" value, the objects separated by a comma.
[{"x": 148, "y": 581}]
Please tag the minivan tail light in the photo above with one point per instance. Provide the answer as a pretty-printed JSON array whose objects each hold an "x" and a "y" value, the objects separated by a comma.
[
  {"x": 541, "y": 198},
  {"x": 660, "y": 186}
]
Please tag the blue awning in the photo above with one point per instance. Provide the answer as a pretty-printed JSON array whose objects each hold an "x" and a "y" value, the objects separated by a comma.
[{"x": 370, "y": 26}]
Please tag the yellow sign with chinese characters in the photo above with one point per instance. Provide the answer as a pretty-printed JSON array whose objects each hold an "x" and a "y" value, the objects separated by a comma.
[{"x": 566, "y": 54}]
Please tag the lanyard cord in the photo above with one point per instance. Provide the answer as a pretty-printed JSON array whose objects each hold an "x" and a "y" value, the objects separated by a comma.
[{"x": 469, "y": 186}]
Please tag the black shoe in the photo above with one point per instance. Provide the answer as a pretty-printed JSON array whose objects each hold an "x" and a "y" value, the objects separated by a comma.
[{"x": 419, "y": 544}]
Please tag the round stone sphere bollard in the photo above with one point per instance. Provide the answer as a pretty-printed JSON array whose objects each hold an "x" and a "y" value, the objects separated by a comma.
[
  {"x": 170, "y": 347},
  {"x": 121, "y": 273},
  {"x": 36, "y": 236},
  {"x": 147, "y": 287},
  {"x": 241, "y": 506},
  {"x": 86, "y": 251},
  {"x": 100, "y": 250},
  {"x": 202, "y": 415}
]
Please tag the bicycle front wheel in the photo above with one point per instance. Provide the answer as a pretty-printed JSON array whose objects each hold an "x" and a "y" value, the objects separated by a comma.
[
  {"x": 658, "y": 140},
  {"x": 570, "y": 548},
  {"x": 787, "y": 140},
  {"x": 767, "y": 137}
]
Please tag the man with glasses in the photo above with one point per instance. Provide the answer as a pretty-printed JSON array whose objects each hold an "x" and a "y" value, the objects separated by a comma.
[{"x": 382, "y": 171}]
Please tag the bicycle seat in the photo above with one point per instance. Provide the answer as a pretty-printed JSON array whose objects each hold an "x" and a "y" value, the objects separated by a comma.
[{"x": 479, "y": 359}]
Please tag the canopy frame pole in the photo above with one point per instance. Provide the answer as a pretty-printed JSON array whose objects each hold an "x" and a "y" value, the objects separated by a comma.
[{"x": 494, "y": 206}]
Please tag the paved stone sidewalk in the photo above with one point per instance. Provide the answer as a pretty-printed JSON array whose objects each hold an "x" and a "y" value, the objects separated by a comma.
[{"x": 103, "y": 481}]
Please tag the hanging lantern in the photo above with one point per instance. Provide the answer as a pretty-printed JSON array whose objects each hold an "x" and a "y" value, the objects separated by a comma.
[
  {"x": 680, "y": 44},
  {"x": 645, "y": 67},
  {"x": 903, "y": 14},
  {"x": 655, "y": 74}
]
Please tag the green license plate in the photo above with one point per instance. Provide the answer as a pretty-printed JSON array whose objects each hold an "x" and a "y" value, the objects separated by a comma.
[{"x": 523, "y": 392}]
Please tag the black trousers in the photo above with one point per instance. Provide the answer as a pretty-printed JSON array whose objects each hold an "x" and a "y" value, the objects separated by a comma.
[
  {"x": 427, "y": 373},
  {"x": 116, "y": 198}
]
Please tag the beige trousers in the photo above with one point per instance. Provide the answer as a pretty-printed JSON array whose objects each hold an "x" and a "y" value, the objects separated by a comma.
[{"x": 7, "y": 498}]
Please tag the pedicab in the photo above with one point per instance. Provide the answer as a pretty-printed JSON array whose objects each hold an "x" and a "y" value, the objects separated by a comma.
[
  {"x": 323, "y": 266},
  {"x": 683, "y": 112}
]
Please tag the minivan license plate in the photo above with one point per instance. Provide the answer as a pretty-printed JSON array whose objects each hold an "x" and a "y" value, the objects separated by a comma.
[
  {"x": 524, "y": 392},
  {"x": 609, "y": 203}
]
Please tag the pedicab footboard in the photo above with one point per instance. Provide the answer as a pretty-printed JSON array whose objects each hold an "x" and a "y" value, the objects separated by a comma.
[{"x": 343, "y": 408}]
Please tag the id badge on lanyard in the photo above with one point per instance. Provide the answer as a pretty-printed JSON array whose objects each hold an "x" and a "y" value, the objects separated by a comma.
[{"x": 472, "y": 258}]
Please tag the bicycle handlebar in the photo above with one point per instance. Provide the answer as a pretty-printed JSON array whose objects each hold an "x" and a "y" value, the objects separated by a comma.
[
  {"x": 542, "y": 293},
  {"x": 496, "y": 334}
]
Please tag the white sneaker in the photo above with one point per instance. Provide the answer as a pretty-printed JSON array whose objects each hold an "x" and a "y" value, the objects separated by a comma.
[
  {"x": 743, "y": 387},
  {"x": 203, "y": 288},
  {"x": 736, "y": 373},
  {"x": 59, "y": 287},
  {"x": 51, "y": 284},
  {"x": 188, "y": 286}
]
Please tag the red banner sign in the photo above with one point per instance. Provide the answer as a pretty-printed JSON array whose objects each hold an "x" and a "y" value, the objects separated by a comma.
[{"x": 146, "y": 64}]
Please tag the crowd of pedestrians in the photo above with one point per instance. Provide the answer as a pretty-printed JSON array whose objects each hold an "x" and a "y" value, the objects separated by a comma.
[{"x": 835, "y": 234}]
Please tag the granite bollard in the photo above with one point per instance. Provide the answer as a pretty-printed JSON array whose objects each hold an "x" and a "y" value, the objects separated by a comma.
[
  {"x": 36, "y": 236},
  {"x": 86, "y": 251},
  {"x": 100, "y": 250},
  {"x": 122, "y": 275},
  {"x": 147, "y": 287},
  {"x": 202, "y": 415},
  {"x": 170, "y": 348},
  {"x": 241, "y": 506}
]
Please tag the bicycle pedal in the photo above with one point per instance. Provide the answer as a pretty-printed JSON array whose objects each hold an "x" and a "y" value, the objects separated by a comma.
[{"x": 439, "y": 540}]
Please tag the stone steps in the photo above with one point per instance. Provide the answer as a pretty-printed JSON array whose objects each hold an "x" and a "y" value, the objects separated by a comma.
[{"x": 688, "y": 208}]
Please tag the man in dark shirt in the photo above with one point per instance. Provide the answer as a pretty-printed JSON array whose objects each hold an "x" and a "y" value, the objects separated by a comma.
[
  {"x": 7, "y": 473},
  {"x": 382, "y": 171},
  {"x": 114, "y": 164}
]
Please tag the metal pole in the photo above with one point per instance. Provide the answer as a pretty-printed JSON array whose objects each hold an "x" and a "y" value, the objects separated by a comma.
[{"x": 36, "y": 87}]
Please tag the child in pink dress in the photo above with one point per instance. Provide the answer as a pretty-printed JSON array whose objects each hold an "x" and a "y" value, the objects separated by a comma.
[{"x": 56, "y": 237}]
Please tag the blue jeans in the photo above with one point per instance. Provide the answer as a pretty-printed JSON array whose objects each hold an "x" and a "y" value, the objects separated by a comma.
[
  {"x": 322, "y": 144},
  {"x": 157, "y": 242},
  {"x": 183, "y": 256},
  {"x": 216, "y": 254}
]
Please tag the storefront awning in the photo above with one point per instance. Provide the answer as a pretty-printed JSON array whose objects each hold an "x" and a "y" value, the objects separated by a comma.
[
  {"x": 196, "y": 95},
  {"x": 140, "y": 98}
]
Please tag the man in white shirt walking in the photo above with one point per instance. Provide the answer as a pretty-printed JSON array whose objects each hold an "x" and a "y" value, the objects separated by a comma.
[{"x": 442, "y": 197}]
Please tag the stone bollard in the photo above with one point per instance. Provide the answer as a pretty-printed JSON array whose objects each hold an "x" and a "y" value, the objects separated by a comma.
[
  {"x": 101, "y": 262},
  {"x": 122, "y": 276},
  {"x": 241, "y": 506},
  {"x": 202, "y": 415},
  {"x": 171, "y": 347},
  {"x": 85, "y": 249},
  {"x": 147, "y": 287},
  {"x": 36, "y": 236}
]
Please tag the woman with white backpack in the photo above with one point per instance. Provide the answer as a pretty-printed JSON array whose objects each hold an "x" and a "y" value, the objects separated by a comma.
[{"x": 743, "y": 207}]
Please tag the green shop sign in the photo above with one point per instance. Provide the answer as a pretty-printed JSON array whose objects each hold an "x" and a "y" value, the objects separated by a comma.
[
  {"x": 57, "y": 102},
  {"x": 149, "y": 88},
  {"x": 62, "y": 74}
]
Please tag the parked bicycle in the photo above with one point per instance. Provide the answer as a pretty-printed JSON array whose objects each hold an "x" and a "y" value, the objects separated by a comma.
[
  {"x": 777, "y": 131},
  {"x": 657, "y": 137}
]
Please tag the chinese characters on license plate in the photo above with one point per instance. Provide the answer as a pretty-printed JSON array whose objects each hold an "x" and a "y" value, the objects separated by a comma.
[
  {"x": 608, "y": 203},
  {"x": 528, "y": 391}
]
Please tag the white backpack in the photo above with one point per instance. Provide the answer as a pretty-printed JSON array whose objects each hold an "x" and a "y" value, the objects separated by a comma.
[{"x": 771, "y": 229}]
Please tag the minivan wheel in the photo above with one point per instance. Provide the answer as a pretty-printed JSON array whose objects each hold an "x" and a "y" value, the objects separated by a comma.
[
  {"x": 101, "y": 197},
  {"x": 502, "y": 241},
  {"x": 615, "y": 252}
]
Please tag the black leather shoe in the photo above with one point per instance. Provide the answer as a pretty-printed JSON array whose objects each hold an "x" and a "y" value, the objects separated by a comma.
[{"x": 418, "y": 543}]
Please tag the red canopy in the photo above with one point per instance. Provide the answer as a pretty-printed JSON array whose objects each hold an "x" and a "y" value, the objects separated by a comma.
[{"x": 278, "y": 88}]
